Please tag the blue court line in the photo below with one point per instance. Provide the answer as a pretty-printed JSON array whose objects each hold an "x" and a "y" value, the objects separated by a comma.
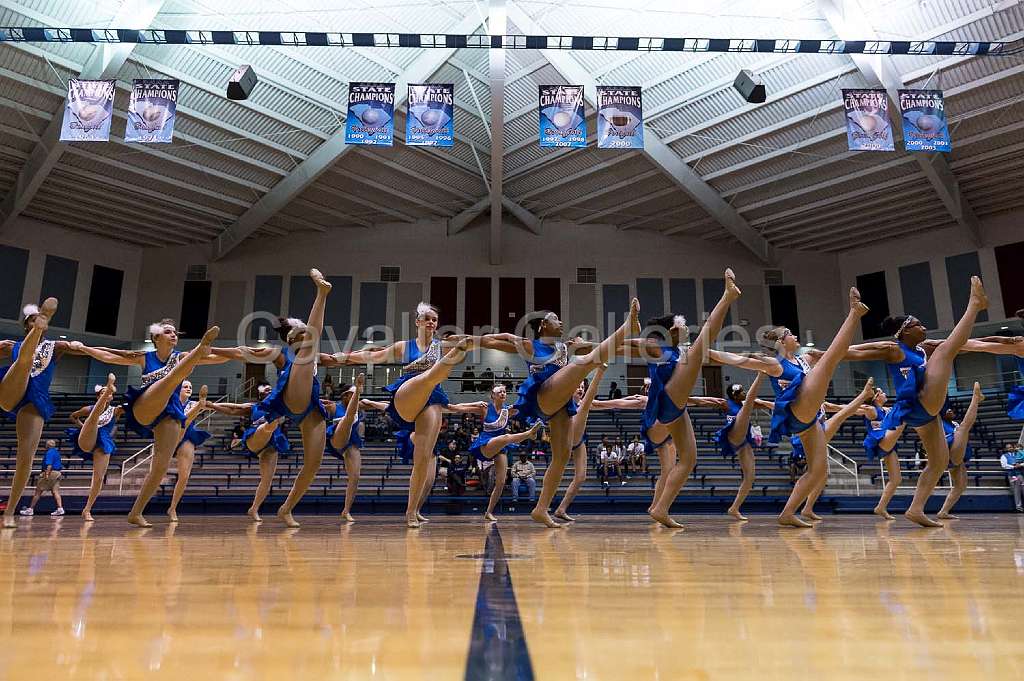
[{"x": 497, "y": 647}]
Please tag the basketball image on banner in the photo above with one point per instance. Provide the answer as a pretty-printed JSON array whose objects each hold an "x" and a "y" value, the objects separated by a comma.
[
  {"x": 868, "y": 127},
  {"x": 430, "y": 120},
  {"x": 151, "y": 110},
  {"x": 371, "y": 114},
  {"x": 620, "y": 118},
  {"x": 924, "y": 120},
  {"x": 88, "y": 111},
  {"x": 562, "y": 122}
]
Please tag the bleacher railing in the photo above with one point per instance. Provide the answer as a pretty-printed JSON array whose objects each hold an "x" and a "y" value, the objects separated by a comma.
[
  {"x": 845, "y": 464},
  {"x": 145, "y": 455},
  {"x": 913, "y": 467}
]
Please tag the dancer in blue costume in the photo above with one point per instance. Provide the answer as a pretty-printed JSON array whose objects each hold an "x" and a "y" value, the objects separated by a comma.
[
  {"x": 920, "y": 370},
  {"x": 673, "y": 370},
  {"x": 185, "y": 452},
  {"x": 25, "y": 390},
  {"x": 155, "y": 409},
  {"x": 799, "y": 393},
  {"x": 263, "y": 439},
  {"x": 417, "y": 397},
  {"x": 958, "y": 435},
  {"x": 584, "y": 397},
  {"x": 875, "y": 443},
  {"x": 345, "y": 437},
  {"x": 553, "y": 379},
  {"x": 494, "y": 438},
  {"x": 93, "y": 438},
  {"x": 1015, "y": 398}
]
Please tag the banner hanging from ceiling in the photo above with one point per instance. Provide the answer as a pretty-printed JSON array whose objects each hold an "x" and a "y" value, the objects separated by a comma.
[
  {"x": 371, "y": 114},
  {"x": 868, "y": 127},
  {"x": 431, "y": 121},
  {"x": 151, "y": 111},
  {"x": 924, "y": 120},
  {"x": 562, "y": 121},
  {"x": 88, "y": 111},
  {"x": 620, "y": 117}
]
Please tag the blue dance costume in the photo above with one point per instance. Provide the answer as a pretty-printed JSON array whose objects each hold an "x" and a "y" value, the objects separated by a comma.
[
  {"x": 786, "y": 388},
  {"x": 660, "y": 408},
  {"x": 153, "y": 370},
  {"x": 416, "y": 362},
  {"x": 354, "y": 438},
  {"x": 873, "y": 439},
  {"x": 258, "y": 417},
  {"x": 908, "y": 379},
  {"x": 273, "y": 405},
  {"x": 37, "y": 392},
  {"x": 950, "y": 428},
  {"x": 104, "y": 435},
  {"x": 192, "y": 434},
  {"x": 723, "y": 433},
  {"x": 495, "y": 424},
  {"x": 547, "y": 359},
  {"x": 1015, "y": 400}
]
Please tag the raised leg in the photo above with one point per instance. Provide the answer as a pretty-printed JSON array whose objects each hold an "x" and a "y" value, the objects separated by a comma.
[
  {"x": 940, "y": 363},
  {"x": 495, "y": 445},
  {"x": 185, "y": 455},
  {"x": 956, "y": 454},
  {"x": 746, "y": 457},
  {"x": 895, "y": 479},
  {"x": 412, "y": 396},
  {"x": 300, "y": 381},
  {"x": 260, "y": 439},
  {"x": 15, "y": 381},
  {"x": 268, "y": 466},
  {"x": 815, "y": 384},
  {"x": 166, "y": 436},
  {"x": 500, "y": 471},
  {"x": 314, "y": 439},
  {"x": 353, "y": 462},
  {"x": 686, "y": 448},
  {"x": 151, "y": 403},
  {"x": 90, "y": 427},
  {"x": 560, "y": 427},
  {"x": 934, "y": 441},
  {"x": 579, "y": 459},
  {"x": 100, "y": 461},
  {"x": 428, "y": 424},
  {"x": 813, "y": 440},
  {"x": 834, "y": 422}
]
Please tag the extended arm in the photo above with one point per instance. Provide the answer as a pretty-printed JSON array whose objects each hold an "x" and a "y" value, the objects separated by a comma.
[
  {"x": 887, "y": 351},
  {"x": 241, "y": 354},
  {"x": 373, "y": 404},
  {"x": 79, "y": 414},
  {"x": 635, "y": 402},
  {"x": 979, "y": 345},
  {"x": 391, "y": 354},
  {"x": 109, "y": 355},
  {"x": 507, "y": 342},
  {"x": 229, "y": 408},
  {"x": 768, "y": 365},
  {"x": 713, "y": 402}
]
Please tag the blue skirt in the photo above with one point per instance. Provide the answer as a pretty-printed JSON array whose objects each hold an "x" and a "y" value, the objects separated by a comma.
[
  {"x": 437, "y": 396},
  {"x": 908, "y": 408},
  {"x": 278, "y": 441},
  {"x": 527, "y": 404},
  {"x": 35, "y": 394},
  {"x": 650, "y": 446},
  {"x": 104, "y": 441},
  {"x": 273, "y": 404},
  {"x": 583, "y": 442},
  {"x": 353, "y": 441},
  {"x": 173, "y": 410},
  {"x": 1015, "y": 403},
  {"x": 722, "y": 436},
  {"x": 968, "y": 450},
  {"x": 660, "y": 407},
  {"x": 403, "y": 444},
  {"x": 476, "y": 449},
  {"x": 783, "y": 421},
  {"x": 873, "y": 445},
  {"x": 195, "y": 436}
]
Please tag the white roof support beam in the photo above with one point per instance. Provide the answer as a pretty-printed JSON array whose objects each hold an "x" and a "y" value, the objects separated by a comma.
[
  {"x": 848, "y": 21},
  {"x": 104, "y": 62},
  {"x": 657, "y": 151},
  {"x": 496, "y": 25},
  {"x": 330, "y": 151}
]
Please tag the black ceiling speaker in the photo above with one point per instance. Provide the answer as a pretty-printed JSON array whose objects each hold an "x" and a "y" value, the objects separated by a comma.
[
  {"x": 241, "y": 83},
  {"x": 750, "y": 87}
]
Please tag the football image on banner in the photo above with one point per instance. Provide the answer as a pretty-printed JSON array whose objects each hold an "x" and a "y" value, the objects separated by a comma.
[
  {"x": 151, "y": 110},
  {"x": 562, "y": 122},
  {"x": 88, "y": 111},
  {"x": 430, "y": 120},
  {"x": 868, "y": 127},
  {"x": 924, "y": 120},
  {"x": 371, "y": 114},
  {"x": 620, "y": 118}
]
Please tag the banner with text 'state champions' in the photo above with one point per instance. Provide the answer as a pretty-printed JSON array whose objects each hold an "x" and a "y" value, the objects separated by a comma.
[
  {"x": 151, "y": 110},
  {"x": 620, "y": 117},
  {"x": 88, "y": 110},
  {"x": 371, "y": 114},
  {"x": 562, "y": 122},
  {"x": 868, "y": 127},
  {"x": 924, "y": 120},
  {"x": 430, "y": 120}
]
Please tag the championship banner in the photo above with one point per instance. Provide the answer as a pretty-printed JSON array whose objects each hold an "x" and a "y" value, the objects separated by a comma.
[
  {"x": 371, "y": 114},
  {"x": 924, "y": 120},
  {"x": 151, "y": 110},
  {"x": 868, "y": 127},
  {"x": 620, "y": 117},
  {"x": 88, "y": 111},
  {"x": 430, "y": 121},
  {"x": 562, "y": 122}
]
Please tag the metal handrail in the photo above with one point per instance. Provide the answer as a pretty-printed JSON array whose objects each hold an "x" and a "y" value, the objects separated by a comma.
[
  {"x": 949, "y": 477},
  {"x": 852, "y": 471}
]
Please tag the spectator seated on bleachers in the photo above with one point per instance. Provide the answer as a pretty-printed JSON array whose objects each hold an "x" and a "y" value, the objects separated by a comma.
[
  {"x": 524, "y": 474},
  {"x": 1012, "y": 462}
]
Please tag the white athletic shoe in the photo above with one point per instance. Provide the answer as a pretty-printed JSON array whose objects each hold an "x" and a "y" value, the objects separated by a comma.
[
  {"x": 59, "y": 511},
  {"x": 27, "y": 511}
]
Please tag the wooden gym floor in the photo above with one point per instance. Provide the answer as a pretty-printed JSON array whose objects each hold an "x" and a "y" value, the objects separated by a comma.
[{"x": 610, "y": 598}]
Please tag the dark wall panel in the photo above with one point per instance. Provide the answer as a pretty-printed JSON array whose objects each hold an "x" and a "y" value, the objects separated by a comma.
[
  {"x": 547, "y": 294},
  {"x": 59, "y": 277},
  {"x": 478, "y": 304},
  {"x": 782, "y": 299},
  {"x": 959, "y": 270},
  {"x": 337, "y": 311},
  {"x": 511, "y": 302},
  {"x": 266, "y": 300},
  {"x": 651, "y": 295},
  {"x": 713, "y": 290},
  {"x": 13, "y": 268},
  {"x": 615, "y": 298},
  {"x": 1008, "y": 261},
  {"x": 874, "y": 294},
  {"x": 407, "y": 295},
  {"x": 373, "y": 305},
  {"x": 444, "y": 295},
  {"x": 104, "y": 300},
  {"x": 195, "y": 309},
  {"x": 918, "y": 294},
  {"x": 682, "y": 294}
]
